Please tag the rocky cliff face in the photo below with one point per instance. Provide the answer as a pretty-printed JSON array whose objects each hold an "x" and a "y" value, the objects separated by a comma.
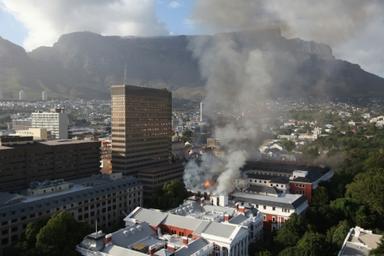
[{"x": 85, "y": 64}]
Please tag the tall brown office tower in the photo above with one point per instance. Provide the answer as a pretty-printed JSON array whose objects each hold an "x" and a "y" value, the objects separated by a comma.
[{"x": 141, "y": 127}]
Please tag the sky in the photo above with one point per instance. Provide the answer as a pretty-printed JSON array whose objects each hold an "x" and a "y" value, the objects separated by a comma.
[{"x": 353, "y": 28}]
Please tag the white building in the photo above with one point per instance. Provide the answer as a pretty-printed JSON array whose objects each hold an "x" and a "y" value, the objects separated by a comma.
[
  {"x": 44, "y": 96},
  {"x": 359, "y": 242},
  {"x": 191, "y": 229},
  {"x": 21, "y": 95},
  {"x": 56, "y": 123}
]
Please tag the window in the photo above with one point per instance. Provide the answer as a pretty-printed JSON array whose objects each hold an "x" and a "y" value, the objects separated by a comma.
[
  {"x": 273, "y": 208},
  {"x": 264, "y": 207},
  {"x": 273, "y": 219}
]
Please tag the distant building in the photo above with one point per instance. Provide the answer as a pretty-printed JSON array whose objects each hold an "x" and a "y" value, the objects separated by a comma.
[
  {"x": 21, "y": 95},
  {"x": 21, "y": 123},
  {"x": 101, "y": 199},
  {"x": 44, "y": 96},
  {"x": 23, "y": 161},
  {"x": 36, "y": 133},
  {"x": 359, "y": 242},
  {"x": 56, "y": 123},
  {"x": 201, "y": 112}
]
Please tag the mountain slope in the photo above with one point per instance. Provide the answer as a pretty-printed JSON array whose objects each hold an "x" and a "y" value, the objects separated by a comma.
[{"x": 85, "y": 64}]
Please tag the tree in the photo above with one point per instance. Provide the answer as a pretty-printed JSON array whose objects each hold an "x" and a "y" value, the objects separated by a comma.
[
  {"x": 170, "y": 195},
  {"x": 313, "y": 244},
  {"x": 320, "y": 196},
  {"x": 264, "y": 253},
  {"x": 339, "y": 233},
  {"x": 26, "y": 245},
  {"x": 291, "y": 251},
  {"x": 291, "y": 231},
  {"x": 60, "y": 235},
  {"x": 368, "y": 188}
]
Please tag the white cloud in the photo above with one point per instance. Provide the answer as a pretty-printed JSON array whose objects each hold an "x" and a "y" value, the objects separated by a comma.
[
  {"x": 174, "y": 4},
  {"x": 47, "y": 20}
]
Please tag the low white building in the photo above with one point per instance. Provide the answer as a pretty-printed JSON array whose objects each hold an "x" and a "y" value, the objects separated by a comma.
[
  {"x": 359, "y": 242},
  {"x": 194, "y": 228}
]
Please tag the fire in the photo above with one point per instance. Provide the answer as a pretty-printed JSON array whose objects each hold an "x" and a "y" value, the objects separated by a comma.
[{"x": 208, "y": 184}]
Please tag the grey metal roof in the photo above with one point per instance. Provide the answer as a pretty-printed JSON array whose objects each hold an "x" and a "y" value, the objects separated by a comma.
[
  {"x": 238, "y": 219},
  {"x": 182, "y": 222},
  {"x": 263, "y": 189},
  {"x": 126, "y": 238},
  {"x": 193, "y": 247},
  {"x": 219, "y": 229},
  {"x": 152, "y": 217}
]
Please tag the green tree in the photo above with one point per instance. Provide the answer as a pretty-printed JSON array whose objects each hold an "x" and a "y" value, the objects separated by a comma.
[
  {"x": 264, "y": 253},
  {"x": 320, "y": 196},
  {"x": 368, "y": 188},
  {"x": 291, "y": 231},
  {"x": 170, "y": 195},
  {"x": 60, "y": 235},
  {"x": 27, "y": 243},
  {"x": 291, "y": 251},
  {"x": 339, "y": 233},
  {"x": 313, "y": 244}
]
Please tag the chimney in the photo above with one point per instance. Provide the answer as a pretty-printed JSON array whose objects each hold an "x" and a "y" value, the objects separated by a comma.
[
  {"x": 171, "y": 248},
  {"x": 151, "y": 250},
  {"x": 226, "y": 217},
  {"x": 241, "y": 209},
  {"x": 185, "y": 240},
  {"x": 108, "y": 239}
]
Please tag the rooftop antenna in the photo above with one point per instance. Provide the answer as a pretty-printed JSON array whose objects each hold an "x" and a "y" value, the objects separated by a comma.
[{"x": 125, "y": 74}]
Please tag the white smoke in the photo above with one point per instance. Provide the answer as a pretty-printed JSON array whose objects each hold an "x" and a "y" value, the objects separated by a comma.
[
  {"x": 238, "y": 84},
  {"x": 47, "y": 20}
]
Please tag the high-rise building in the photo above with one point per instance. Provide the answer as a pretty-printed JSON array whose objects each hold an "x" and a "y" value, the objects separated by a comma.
[
  {"x": 141, "y": 136},
  {"x": 44, "y": 96},
  {"x": 201, "y": 111},
  {"x": 141, "y": 127},
  {"x": 56, "y": 123},
  {"x": 21, "y": 95}
]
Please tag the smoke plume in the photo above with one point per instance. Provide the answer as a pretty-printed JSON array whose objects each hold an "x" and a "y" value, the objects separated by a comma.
[{"x": 240, "y": 78}]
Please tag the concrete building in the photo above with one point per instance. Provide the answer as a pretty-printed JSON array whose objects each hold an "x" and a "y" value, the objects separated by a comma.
[
  {"x": 36, "y": 133},
  {"x": 56, "y": 122},
  {"x": 359, "y": 242},
  {"x": 152, "y": 232},
  {"x": 23, "y": 161},
  {"x": 99, "y": 198},
  {"x": 141, "y": 127}
]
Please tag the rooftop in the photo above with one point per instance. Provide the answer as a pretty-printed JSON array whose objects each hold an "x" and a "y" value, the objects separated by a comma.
[
  {"x": 359, "y": 242},
  {"x": 290, "y": 201}
]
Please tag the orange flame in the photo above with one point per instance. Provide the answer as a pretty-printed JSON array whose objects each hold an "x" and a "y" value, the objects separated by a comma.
[{"x": 208, "y": 184}]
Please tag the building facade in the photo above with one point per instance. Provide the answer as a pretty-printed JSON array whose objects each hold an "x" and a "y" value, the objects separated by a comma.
[
  {"x": 105, "y": 199},
  {"x": 141, "y": 127},
  {"x": 56, "y": 123},
  {"x": 23, "y": 161}
]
